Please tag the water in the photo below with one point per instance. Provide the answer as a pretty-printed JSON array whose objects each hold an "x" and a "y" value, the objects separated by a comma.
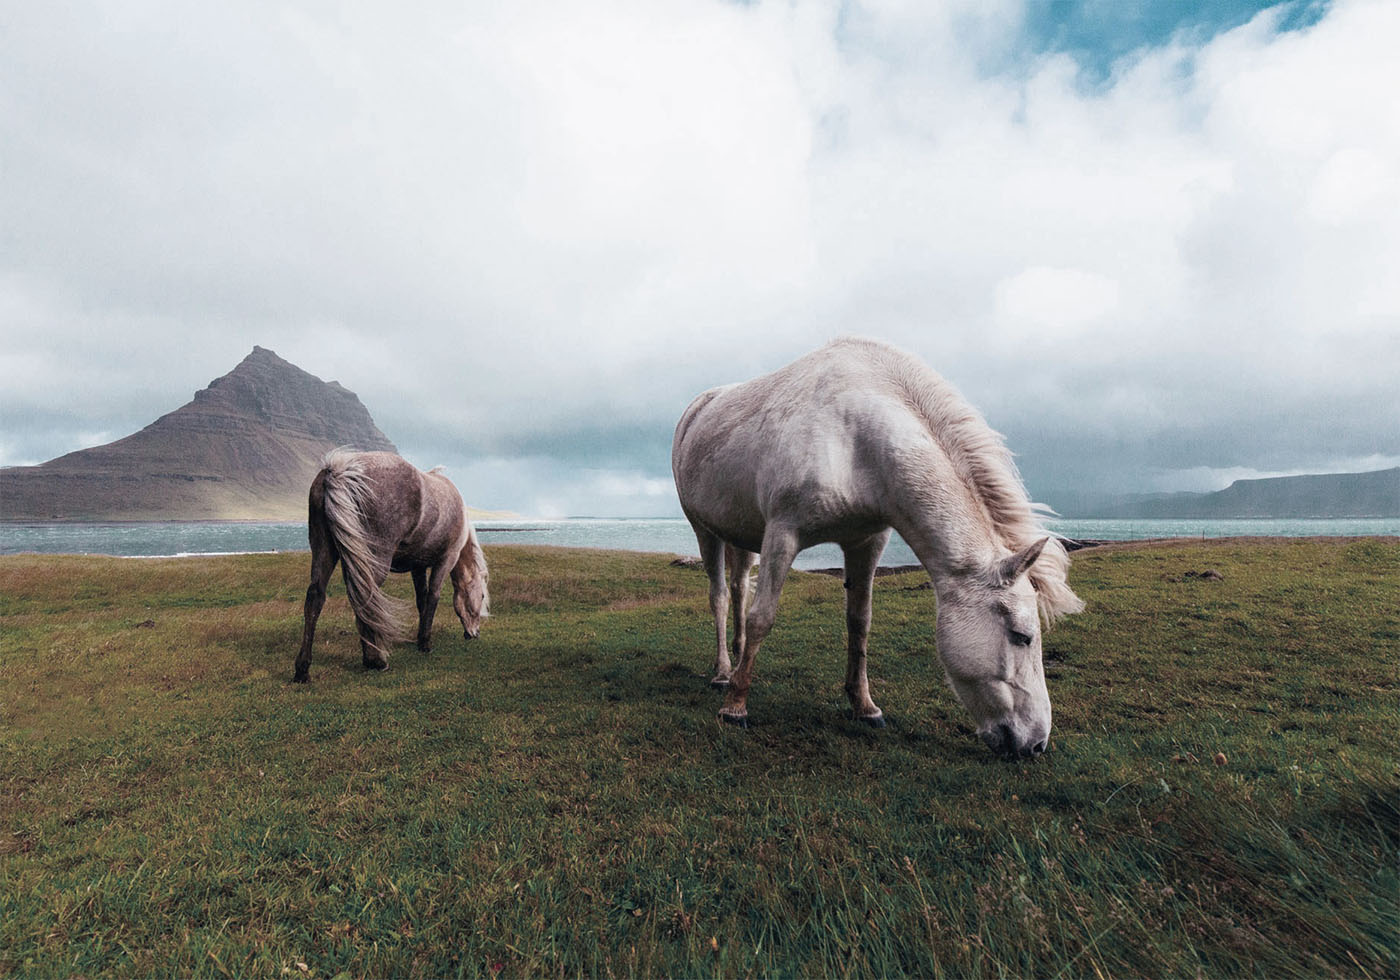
[
  {"x": 662, "y": 535},
  {"x": 140, "y": 538}
]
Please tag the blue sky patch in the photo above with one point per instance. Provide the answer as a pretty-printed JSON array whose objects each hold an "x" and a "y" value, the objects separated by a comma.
[{"x": 1096, "y": 33}]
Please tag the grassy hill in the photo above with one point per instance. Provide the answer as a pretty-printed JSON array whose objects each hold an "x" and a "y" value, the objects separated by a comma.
[{"x": 557, "y": 798}]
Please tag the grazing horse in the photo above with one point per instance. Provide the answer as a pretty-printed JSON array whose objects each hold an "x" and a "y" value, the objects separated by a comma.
[
  {"x": 842, "y": 445},
  {"x": 376, "y": 513}
]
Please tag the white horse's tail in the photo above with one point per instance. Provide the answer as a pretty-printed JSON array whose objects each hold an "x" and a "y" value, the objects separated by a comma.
[{"x": 348, "y": 491}]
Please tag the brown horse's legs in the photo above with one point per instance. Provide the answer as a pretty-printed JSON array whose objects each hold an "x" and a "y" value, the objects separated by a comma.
[
  {"x": 779, "y": 549},
  {"x": 420, "y": 596},
  {"x": 420, "y": 586},
  {"x": 323, "y": 559},
  {"x": 371, "y": 647},
  {"x": 373, "y": 652},
  {"x": 712, "y": 555},
  {"x": 861, "y": 562},
  {"x": 428, "y": 588}
]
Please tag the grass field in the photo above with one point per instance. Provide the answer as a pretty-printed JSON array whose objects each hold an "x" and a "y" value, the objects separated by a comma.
[{"x": 557, "y": 798}]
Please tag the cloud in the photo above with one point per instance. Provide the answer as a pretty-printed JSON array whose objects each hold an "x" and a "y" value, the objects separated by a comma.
[
  {"x": 528, "y": 234},
  {"x": 1053, "y": 304}
]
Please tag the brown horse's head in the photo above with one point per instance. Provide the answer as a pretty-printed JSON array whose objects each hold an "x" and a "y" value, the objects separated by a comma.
[{"x": 470, "y": 584}]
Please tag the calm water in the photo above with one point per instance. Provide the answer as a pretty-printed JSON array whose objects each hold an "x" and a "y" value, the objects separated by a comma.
[{"x": 672, "y": 536}]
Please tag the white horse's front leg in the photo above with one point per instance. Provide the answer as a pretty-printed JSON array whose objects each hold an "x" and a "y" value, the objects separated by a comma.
[
  {"x": 861, "y": 562},
  {"x": 712, "y": 554},
  {"x": 739, "y": 562},
  {"x": 779, "y": 549}
]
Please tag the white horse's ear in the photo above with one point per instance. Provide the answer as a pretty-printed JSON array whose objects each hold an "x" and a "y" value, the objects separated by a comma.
[{"x": 1013, "y": 566}]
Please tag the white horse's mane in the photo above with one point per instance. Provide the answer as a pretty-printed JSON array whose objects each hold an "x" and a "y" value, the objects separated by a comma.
[{"x": 984, "y": 465}]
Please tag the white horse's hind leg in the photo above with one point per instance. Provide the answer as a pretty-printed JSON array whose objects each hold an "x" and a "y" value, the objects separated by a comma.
[
  {"x": 739, "y": 562},
  {"x": 861, "y": 562},
  {"x": 712, "y": 554},
  {"x": 779, "y": 549}
]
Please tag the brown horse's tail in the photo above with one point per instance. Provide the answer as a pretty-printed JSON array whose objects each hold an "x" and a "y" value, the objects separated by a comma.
[{"x": 348, "y": 492}]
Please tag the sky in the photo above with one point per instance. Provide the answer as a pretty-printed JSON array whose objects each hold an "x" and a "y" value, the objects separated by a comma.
[{"x": 1155, "y": 243}]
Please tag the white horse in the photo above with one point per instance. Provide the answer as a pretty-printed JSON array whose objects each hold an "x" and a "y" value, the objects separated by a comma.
[{"x": 842, "y": 445}]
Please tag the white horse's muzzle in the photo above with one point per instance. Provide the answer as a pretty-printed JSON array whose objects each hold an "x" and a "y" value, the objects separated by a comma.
[{"x": 1007, "y": 743}]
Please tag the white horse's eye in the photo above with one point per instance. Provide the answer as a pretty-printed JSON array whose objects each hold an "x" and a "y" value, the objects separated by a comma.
[{"x": 1021, "y": 639}]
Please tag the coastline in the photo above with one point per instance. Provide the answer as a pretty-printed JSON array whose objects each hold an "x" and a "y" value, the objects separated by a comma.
[
  {"x": 672, "y": 536},
  {"x": 692, "y": 561}
]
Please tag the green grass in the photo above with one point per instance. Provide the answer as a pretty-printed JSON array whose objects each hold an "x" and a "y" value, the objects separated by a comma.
[{"x": 557, "y": 798}]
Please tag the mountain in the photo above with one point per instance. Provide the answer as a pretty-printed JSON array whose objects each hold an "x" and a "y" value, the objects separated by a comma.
[
  {"x": 1373, "y": 494},
  {"x": 246, "y": 448}
]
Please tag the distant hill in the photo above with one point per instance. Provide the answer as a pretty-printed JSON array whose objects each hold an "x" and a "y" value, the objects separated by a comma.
[
  {"x": 1373, "y": 494},
  {"x": 246, "y": 448}
]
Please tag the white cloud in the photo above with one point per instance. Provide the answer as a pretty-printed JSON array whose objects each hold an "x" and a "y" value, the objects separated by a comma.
[
  {"x": 499, "y": 221},
  {"x": 630, "y": 484},
  {"x": 1352, "y": 184},
  {"x": 1049, "y": 305}
]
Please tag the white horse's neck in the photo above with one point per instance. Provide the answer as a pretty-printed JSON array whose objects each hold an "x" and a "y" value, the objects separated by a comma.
[{"x": 942, "y": 521}]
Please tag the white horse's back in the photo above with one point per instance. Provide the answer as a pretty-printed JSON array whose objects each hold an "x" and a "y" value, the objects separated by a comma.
[{"x": 812, "y": 443}]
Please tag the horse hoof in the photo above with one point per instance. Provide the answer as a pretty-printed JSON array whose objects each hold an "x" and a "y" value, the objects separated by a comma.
[
  {"x": 425, "y": 648},
  {"x": 742, "y": 721},
  {"x": 719, "y": 683},
  {"x": 378, "y": 665},
  {"x": 301, "y": 677},
  {"x": 875, "y": 721}
]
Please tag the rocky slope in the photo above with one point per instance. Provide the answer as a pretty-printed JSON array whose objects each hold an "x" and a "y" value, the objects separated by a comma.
[{"x": 246, "y": 448}]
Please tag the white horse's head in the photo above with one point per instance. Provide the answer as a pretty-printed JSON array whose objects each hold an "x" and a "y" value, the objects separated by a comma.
[{"x": 989, "y": 642}]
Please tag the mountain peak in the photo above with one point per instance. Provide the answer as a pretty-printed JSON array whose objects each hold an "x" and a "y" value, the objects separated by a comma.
[
  {"x": 247, "y": 446},
  {"x": 262, "y": 361},
  {"x": 265, "y": 388},
  {"x": 265, "y": 355}
]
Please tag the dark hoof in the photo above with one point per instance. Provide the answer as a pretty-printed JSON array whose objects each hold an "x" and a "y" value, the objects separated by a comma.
[
  {"x": 378, "y": 665},
  {"x": 301, "y": 677},
  {"x": 720, "y": 683},
  {"x": 740, "y": 721},
  {"x": 876, "y": 721},
  {"x": 425, "y": 648}
]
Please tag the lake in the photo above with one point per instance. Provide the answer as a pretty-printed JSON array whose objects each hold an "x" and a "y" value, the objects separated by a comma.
[{"x": 139, "y": 539}]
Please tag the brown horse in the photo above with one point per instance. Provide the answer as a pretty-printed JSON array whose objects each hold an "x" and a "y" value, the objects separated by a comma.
[{"x": 377, "y": 513}]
